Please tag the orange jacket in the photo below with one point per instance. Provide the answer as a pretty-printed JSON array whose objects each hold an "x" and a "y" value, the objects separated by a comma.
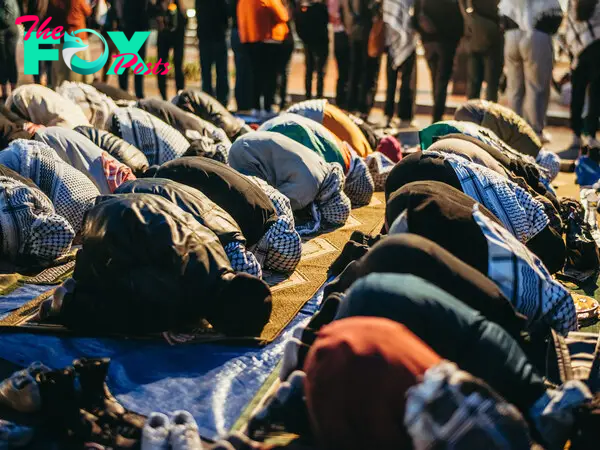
[{"x": 262, "y": 20}]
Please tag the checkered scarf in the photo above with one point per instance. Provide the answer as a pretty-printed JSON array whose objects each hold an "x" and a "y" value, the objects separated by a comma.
[
  {"x": 525, "y": 281},
  {"x": 157, "y": 140},
  {"x": 331, "y": 205},
  {"x": 359, "y": 185},
  {"x": 380, "y": 167},
  {"x": 29, "y": 226},
  {"x": 71, "y": 192},
  {"x": 209, "y": 147},
  {"x": 520, "y": 213},
  {"x": 549, "y": 161},
  {"x": 242, "y": 260},
  {"x": 97, "y": 106},
  {"x": 280, "y": 249},
  {"x": 453, "y": 410}
]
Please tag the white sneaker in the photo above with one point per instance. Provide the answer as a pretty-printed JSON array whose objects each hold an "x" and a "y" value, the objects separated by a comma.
[
  {"x": 184, "y": 432},
  {"x": 590, "y": 142},
  {"x": 545, "y": 137},
  {"x": 407, "y": 124},
  {"x": 155, "y": 435}
]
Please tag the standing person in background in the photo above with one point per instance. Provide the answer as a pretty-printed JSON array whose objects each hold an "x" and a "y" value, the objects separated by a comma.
[
  {"x": 243, "y": 71},
  {"x": 440, "y": 24},
  {"x": 372, "y": 66},
  {"x": 357, "y": 21},
  {"x": 72, "y": 16},
  {"x": 341, "y": 48},
  {"x": 171, "y": 20},
  {"x": 39, "y": 8},
  {"x": 213, "y": 21},
  {"x": 401, "y": 60},
  {"x": 583, "y": 39},
  {"x": 529, "y": 57},
  {"x": 9, "y": 36},
  {"x": 133, "y": 15},
  {"x": 262, "y": 25},
  {"x": 312, "y": 18},
  {"x": 485, "y": 45},
  {"x": 285, "y": 59}
]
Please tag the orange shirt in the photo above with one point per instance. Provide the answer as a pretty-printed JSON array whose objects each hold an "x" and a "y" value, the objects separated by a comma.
[{"x": 262, "y": 20}]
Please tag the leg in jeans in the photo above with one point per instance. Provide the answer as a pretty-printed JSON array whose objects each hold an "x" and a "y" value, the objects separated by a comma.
[
  {"x": 309, "y": 56},
  {"x": 271, "y": 53},
  {"x": 178, "y": 52},
  {"x": 539, "y": 60},
  {"x": 390, "y": 94},
  {"x": 591, "y": 122},
  {"x": 515, "y": 75},
  {"x": 322, "y": 53},
  {"x": 406, "y": 105},
  {"x": 243, "y": 74},
  {"x": 357, "y": 66},
  {"x": 369, "y": 84},
  {"x": 164, "y": 43},
  {"x": 454, "y": 330},
  {"x": 432, "y": 56},
  {"x": 475, "y": 71},
  {"x": 221, "y": 62},
  {"x": 494, "y": 63},
  {"x": 342, "y": 58},
  {"x": 287, "y": 49},
  {"x": 444, "y": 65},
  {"x": 206, "y": 63}
]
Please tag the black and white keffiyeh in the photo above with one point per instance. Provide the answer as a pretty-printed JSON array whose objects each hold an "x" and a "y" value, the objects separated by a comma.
[
  {"x": 71, "y": 192},
  {"x": 380, "y": 167},
  {"x": 30, "y": 229},
  {"x": 549, "y": 161},
  {"x": 474, "y": 416},
  {"x": 242, "y": 260},
  {"x": 359, "y": 186},
  {"x": 520, "y": 213},
  {"x": 97, "y": 106},
  {"x": 280, "y": 249},
  {"x": 159, "y": 141},
  {"x": 400, "y": 36},
  {"x": 525, "y": 281}
]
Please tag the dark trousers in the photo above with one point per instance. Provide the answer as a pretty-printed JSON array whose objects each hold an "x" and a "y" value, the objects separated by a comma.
[
  {"x": 46, "y": 67},
  {"x": 440, "y": 59},
  {"x": 370, "y": 84},
  {"x": 342, "y": 58},
  {"x": 8, "y": 55},
  {"x": 586, "y": 75},
  {"x": 452, "y": 329},
  {"x": 283, "y": 71},
  {"x": 139, "y": 79},
  {"x": 168, "y": 40},
  {"x": 486, "y": 67},
  {"x": 214, "y": 53},
  {"x": 358, "y": 62},
  {"x": 408, "y": 88},
  {"x": 264, "y": 72},
  {"x": 316, "y": 61},
  {"x": 243, "y": 73}
]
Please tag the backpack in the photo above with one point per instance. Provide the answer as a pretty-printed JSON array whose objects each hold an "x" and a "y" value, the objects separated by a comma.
[
  {"x": 483, "y": 31},
  {"x": 577, "y": 357},
  {"x": 584, "y": 9}
]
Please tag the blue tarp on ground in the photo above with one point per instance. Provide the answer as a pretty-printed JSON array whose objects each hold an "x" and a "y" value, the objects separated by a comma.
[
  {"x": 19, "y": 297},
  {"x": 213, "y": 382}
]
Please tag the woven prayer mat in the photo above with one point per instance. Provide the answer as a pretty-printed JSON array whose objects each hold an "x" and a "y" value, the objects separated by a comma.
[
  {"x": 290, "y": 292},
  {"x": 11, "y": 278}
]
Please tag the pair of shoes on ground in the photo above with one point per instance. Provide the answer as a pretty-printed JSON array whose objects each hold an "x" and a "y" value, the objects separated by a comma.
[
  {"x": 74, "y": 403},
  {"x": 179, "y": 432}
]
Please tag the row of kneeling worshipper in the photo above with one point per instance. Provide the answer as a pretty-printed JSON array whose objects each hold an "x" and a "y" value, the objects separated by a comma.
[
  {"x": 171, "y": 199},
  {"x": 435, "y": 332}
]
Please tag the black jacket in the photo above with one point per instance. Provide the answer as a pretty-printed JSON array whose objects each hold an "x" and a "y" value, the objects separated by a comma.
[
  {"x": 438, "y": 20},
  {"x": 147, "y": 266},
  {"x": 357, "y": 16},
  {"x": 212, "y": 17}
]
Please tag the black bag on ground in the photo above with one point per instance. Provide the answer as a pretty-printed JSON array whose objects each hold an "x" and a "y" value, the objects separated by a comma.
[
  {"x": 146, "y": 266},
  {"x": 582, "y": 250}
]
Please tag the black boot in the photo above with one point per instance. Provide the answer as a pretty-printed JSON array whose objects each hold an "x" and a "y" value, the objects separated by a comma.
[
  {"x": 61, "y": 410},
  {"x": 97, "y": 399}
]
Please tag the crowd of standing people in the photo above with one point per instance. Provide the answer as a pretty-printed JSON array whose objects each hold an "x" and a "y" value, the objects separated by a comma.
[{"x": 511, "y": 37}]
